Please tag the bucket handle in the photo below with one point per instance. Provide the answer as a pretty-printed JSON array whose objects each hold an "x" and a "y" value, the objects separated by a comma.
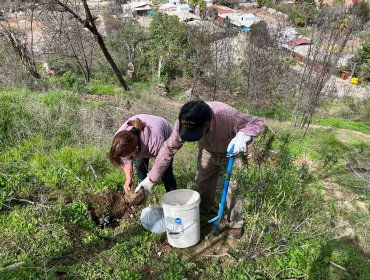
[{"x": 177, "y": 232}]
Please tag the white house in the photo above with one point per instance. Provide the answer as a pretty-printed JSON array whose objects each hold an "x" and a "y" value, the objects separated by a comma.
[
  {"x": 248, "y": 19},
  {"x": 174, "y": 2},
  {"x": 183, "y": 8},
  {"x": 171, "y": 5},
  {"x": 242, "y": 21},
  {"x": 140, "y": 8}
]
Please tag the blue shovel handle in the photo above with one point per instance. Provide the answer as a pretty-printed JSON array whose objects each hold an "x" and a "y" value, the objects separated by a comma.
[{"x": 216, "y": 220}]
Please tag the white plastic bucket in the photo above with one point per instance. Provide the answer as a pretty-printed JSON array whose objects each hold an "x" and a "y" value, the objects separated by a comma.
[{"x": 181, "y": 216}]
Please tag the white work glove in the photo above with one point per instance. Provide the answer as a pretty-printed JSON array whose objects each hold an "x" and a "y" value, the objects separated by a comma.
[
  {"x": 147, "y": 185},
  {"x": 240, "y": 142}
]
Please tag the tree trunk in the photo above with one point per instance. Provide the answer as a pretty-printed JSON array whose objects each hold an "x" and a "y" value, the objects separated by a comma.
[
  {"x": 103, "y": 47},
  {"x": 22, "y": 52},
  {"x": 110, "y": 60},
  {"x": 89, "y": 23}
]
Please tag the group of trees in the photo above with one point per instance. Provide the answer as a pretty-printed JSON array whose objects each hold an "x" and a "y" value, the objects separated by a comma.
[
  {"x": 215, "y": 60},
  {"x": 67, "y": 20},
  {"x": 333, "y": 28},
  {"x": 307, "y": 12},
  {"x": 302, "y": 13}
]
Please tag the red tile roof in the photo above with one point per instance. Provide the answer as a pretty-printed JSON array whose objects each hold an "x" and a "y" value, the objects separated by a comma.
[
  {"x": 299, "y": 41},
  {"x": 223, "y": 9}
]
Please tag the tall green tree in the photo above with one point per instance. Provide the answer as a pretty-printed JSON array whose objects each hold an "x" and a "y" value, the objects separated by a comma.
[
  {"x": 128, "y": 40},
  {"x": 362, "y": 60},
  {"x": 200, "y": 3},
  {"x": 169, "y": 47}
]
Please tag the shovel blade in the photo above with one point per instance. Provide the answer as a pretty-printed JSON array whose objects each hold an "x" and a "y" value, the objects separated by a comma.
[{"x": 216, "y": 227}]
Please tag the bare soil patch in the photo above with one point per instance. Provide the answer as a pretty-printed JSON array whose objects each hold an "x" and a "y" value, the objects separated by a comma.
[
  {"x": 346, "y": 198},
  {"x": 349, "y": 203},
  {"x": 109, "y": 207}
]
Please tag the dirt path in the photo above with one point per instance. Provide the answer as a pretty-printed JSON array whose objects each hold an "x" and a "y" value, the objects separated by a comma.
[
  {"x": 342, "y": 132},
  {"x": 343, "y": 88},
  {"x": 353, "y": 214},
  {"x": 361, "y": 135}
]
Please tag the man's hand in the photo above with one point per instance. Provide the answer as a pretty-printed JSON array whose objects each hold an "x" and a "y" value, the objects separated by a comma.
[
  {"x": 240, "y": 142},
  {"x": 147, "y": 185}
]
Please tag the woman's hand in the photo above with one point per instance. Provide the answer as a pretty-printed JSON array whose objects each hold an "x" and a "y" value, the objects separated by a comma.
[
  {"x": 127, "y": 186},
  {"x": 128, "y": 170}
]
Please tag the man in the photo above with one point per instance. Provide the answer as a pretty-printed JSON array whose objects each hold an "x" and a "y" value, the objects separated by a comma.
[{"x": 217, "y": 127}]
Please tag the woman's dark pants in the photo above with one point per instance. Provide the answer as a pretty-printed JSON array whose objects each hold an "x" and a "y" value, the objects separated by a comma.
[{"x": 141, "y": 166}]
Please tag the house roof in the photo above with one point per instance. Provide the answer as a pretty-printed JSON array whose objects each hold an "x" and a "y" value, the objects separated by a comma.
[
  {"x": 144, "y": 5},
  {"x": 235, "y": 19},
  {"x": 183, "y": 6},
  {"x": 223, "y": 9},
  {"x": 229, "y": 15},
  {"x": 167, "y": 6},
  {"x": 183, "y": 16},
  {"x": 210, "y": 26},
  {"x": 143, "y": 8},
  {"x": 249, "y": 16},
  {"x": 299, "y": 42}
]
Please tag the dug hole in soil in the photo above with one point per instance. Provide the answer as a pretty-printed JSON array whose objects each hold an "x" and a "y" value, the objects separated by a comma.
[{"x": 107, "y": 208}]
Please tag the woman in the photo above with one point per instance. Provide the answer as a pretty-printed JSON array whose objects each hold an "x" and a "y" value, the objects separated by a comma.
[{"x": 138, "y": 139}]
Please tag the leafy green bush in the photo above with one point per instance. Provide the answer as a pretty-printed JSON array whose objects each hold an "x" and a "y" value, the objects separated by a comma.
[
  {"x": 32, "y": 234},
  {"x": 362, "y": 59},
  {"x": 277, "y": 112},
  {"x": 278, "y": 202},
  {"x": 77, "y": 213},
  {"x": 169, "y": 41},
  {"x": 100, "y": 89},
  {"x": 71, "y": 81},
  {"x": 35, "y": 167}
]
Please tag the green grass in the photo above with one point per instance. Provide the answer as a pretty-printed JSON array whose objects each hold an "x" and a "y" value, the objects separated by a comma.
[
  {"x": 139, "y": 86},
  {"x": 54, "y": 152},
  {"x": 101, "y": 89},
  {"x": 303, "y": 31},
  {"x": 345, "y": 124}
]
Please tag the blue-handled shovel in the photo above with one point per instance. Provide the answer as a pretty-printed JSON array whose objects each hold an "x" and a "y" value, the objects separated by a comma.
[{"x": 216, "y": 220}]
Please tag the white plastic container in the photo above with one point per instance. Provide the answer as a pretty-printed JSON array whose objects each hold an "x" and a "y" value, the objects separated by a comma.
[{"x": 181, "y": 216}]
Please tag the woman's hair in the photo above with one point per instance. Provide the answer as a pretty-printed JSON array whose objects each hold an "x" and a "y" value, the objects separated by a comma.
[{"x": 126, "y": 141}]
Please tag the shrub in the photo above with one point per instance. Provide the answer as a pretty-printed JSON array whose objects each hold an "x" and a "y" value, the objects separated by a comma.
[
  {"x": 100, "y": 89},
  {"x": 71, "y": 81},
  {"x": 77, "y": 213},
  {"x": 33, "y": 235},
  {"x": 278, "y": 202}
]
